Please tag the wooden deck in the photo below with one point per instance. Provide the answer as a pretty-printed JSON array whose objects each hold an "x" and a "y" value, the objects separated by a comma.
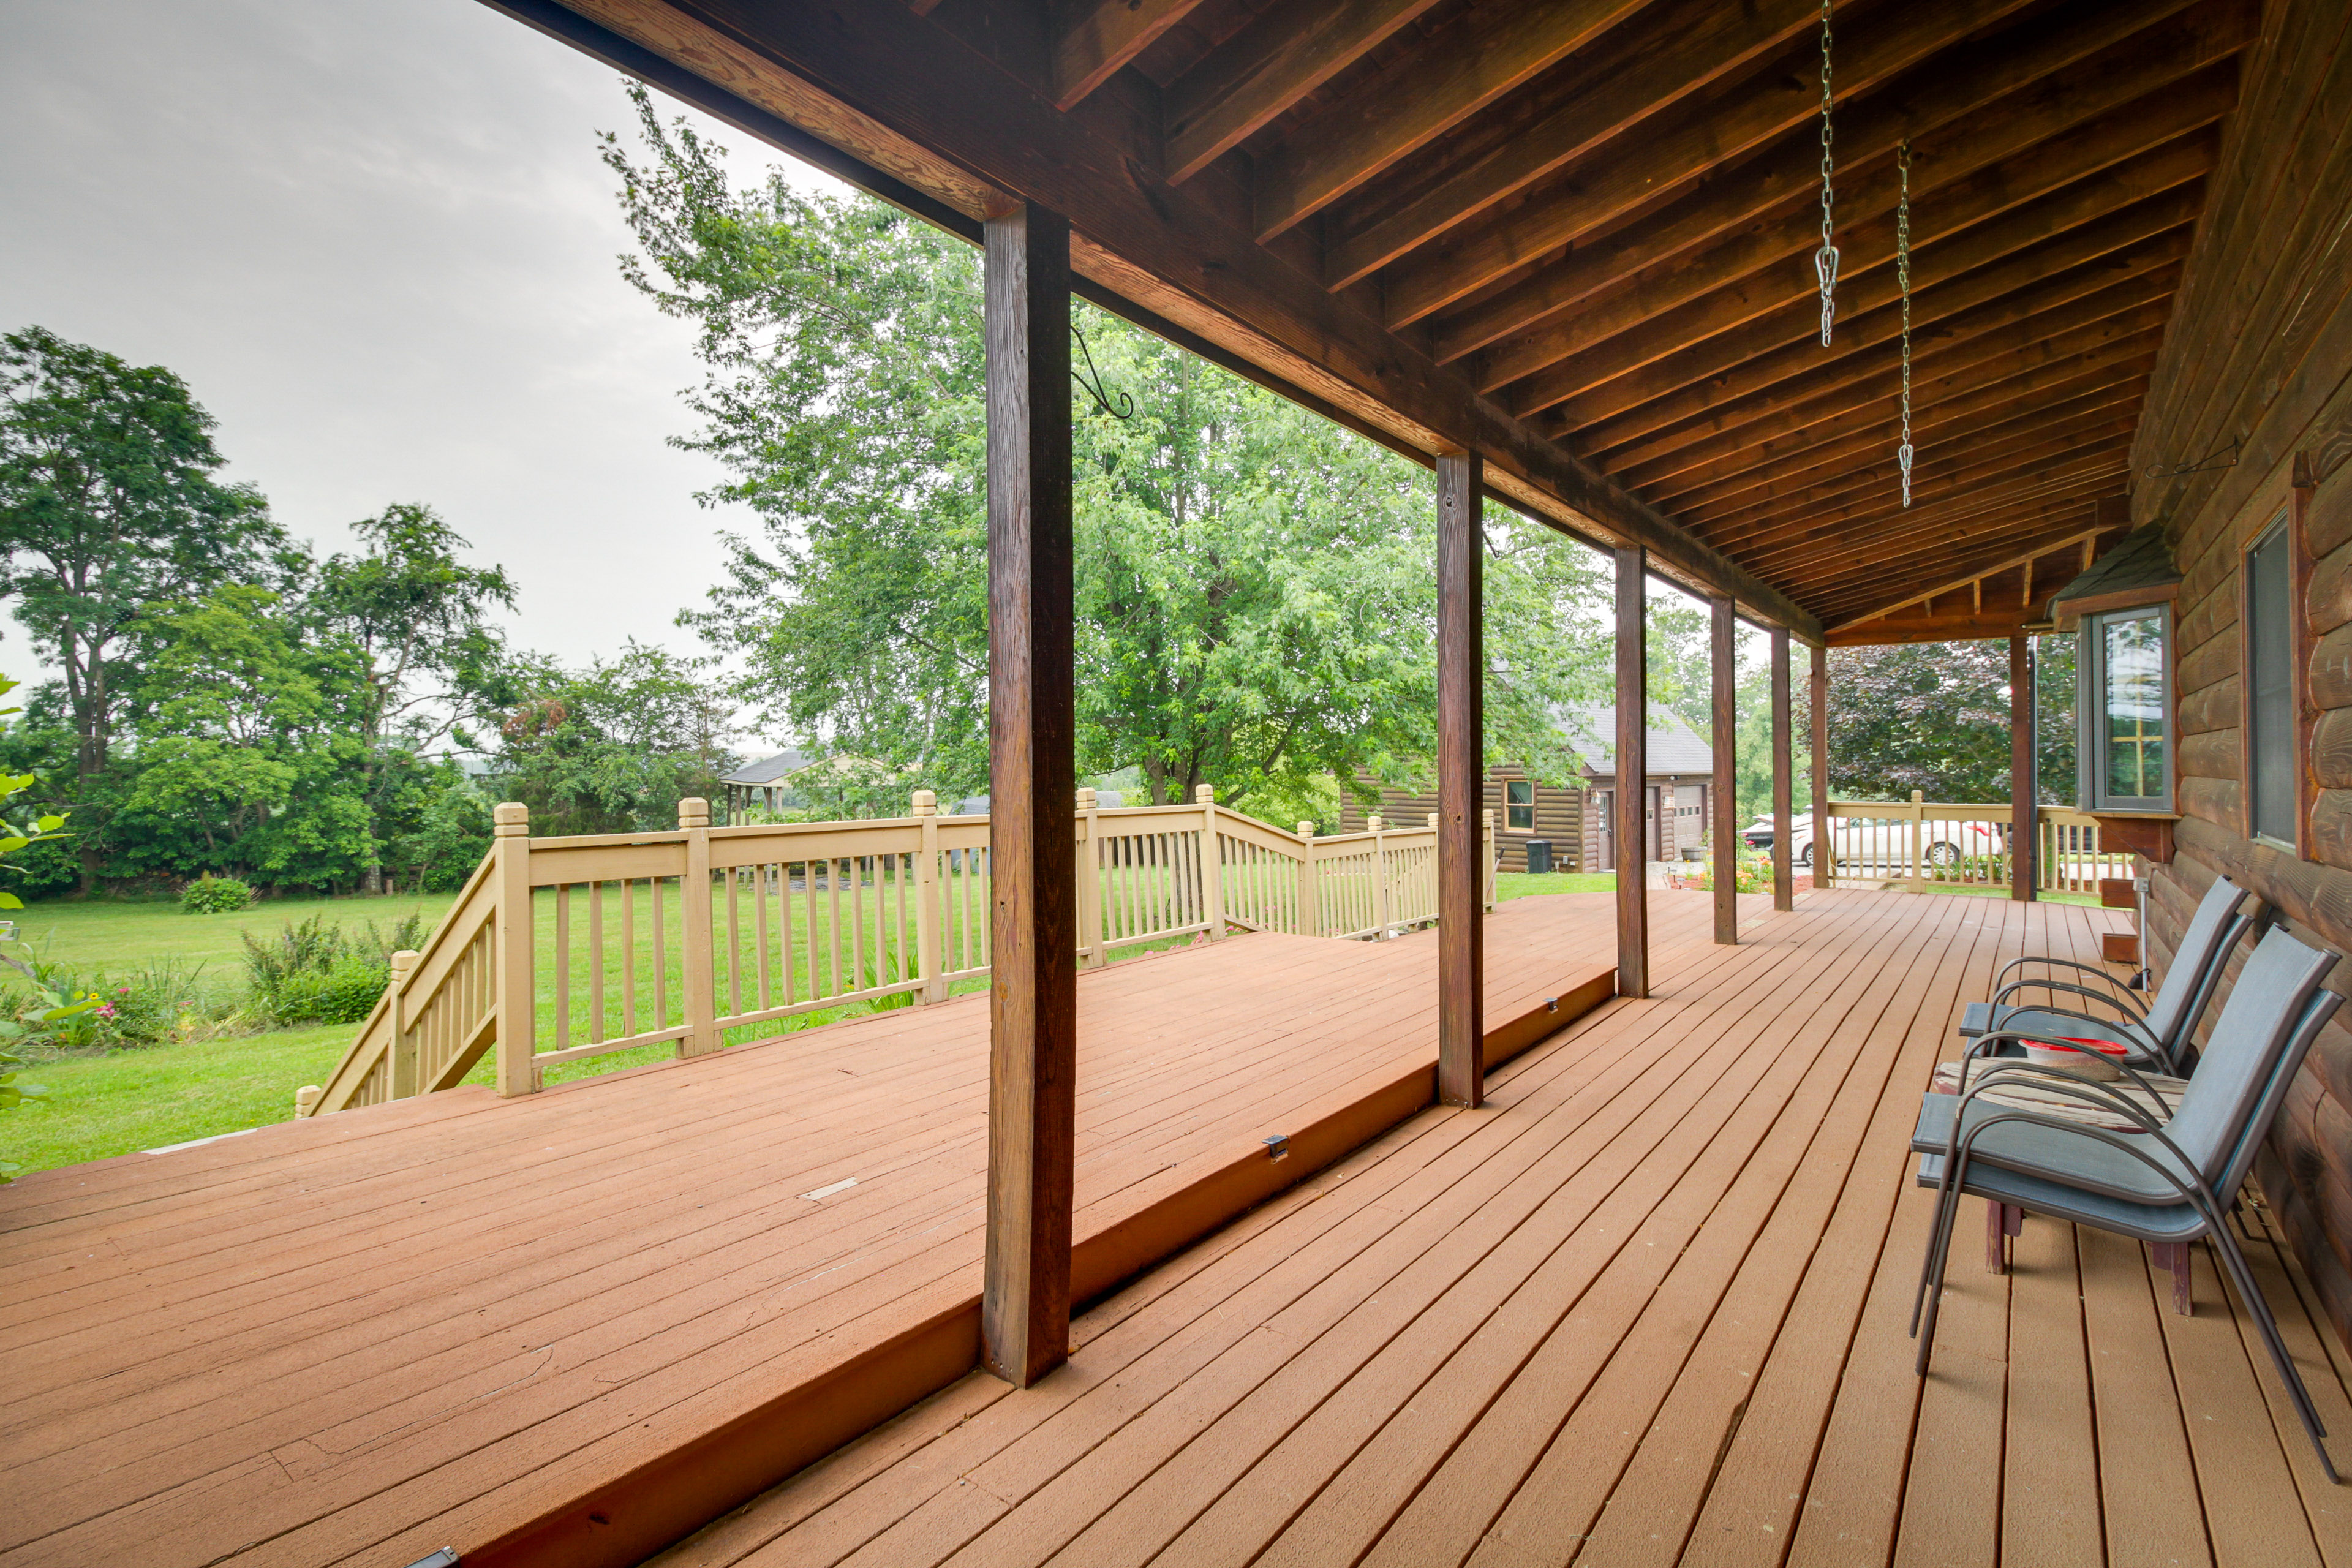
[
  {"x": 571, "y": 1328},
  {"x": 1647, "y": 1307}
]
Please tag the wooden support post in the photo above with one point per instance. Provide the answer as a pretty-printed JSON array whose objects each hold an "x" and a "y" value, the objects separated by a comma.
[
  {"x": 1032, "y": 986},
  {"x": 512, "y": 990},
  {"x": 1722, "y": 789},
  {"x": 1784, "y": 859},
  {"x": 2022, "y": 813},
  {"x": 1213, "y": 863},
  {"x": 1461, "y": 767},
  {"x": 698, "y": 958},
  {"x": 1824, "y": 835},
  {"x": 1309, "y": 921},
  {"x": 1632, "y": 774},
  {"x": 930, "y": 941},
  {"x": 1092, "y": 950},
  {"x": 403, "y": 1050}
]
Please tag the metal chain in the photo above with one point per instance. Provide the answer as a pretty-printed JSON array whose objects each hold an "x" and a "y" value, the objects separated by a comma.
[
  {"x": 1903, "y": 277},
  {"x": 1825, "y": 260}
]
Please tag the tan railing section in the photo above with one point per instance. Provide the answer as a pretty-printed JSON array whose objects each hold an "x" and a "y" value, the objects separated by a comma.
[
  {"x": 560, "y": 949},
  {"x": 1919, "y": 843}
]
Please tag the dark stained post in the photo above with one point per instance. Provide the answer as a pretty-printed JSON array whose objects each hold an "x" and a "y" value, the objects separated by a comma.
[
  {"x": 2024, "y": 834},
  {"x": 1633, "y": 774},
  {"x": 1784, "y": 860},
  {"x": 1032, "y": 856},
  {"x": 1461, "y": 757},
  {"x": 1723, "y": 793},
  {"x": 1824, "y": 844}
]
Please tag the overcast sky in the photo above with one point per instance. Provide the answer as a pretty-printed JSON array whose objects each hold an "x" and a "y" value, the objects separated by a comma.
[{"x": 375, "y": 237}]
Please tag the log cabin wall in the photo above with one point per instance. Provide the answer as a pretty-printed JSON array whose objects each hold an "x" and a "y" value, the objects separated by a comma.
[
  {"x": 1561, "y": 815},
  {"x": 2258, "y": 353}
]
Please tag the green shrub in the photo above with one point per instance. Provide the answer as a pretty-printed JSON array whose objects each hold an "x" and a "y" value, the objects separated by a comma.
[
  {"x": 315, "y": 973},
  {"x": 210, "y": 895}
]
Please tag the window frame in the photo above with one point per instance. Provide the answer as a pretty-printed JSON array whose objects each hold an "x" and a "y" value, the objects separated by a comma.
[
  {"x": 2091, "y": 737},
  {"x": 2280, "y": 531},
  {"x": 1510, "y": 805}
]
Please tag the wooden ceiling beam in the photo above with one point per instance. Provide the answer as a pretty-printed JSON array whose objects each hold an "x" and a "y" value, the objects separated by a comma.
[
  {"x": 1677, "y": 305},
  {"x": 1867, "y": 344},
  {"x": 1868, "y": 404},
  {"x": 2045, "y": 387},
  {"x": 2118, "y": 402},
  {"x": 1493, "y": 51},
  {"x": 1096, "y": 38},
  {"x": 2075, "y": 70},
  {"x": 1291, "y": 49},
  {"x": 1879, "y": 512},
  {"x": 1877, "y": 372},
  {"x": 1635, "y": 74},
  {"x": 897, "y": 90},
  {"x": 1782, "y": 307},
  {"x": 2047, "y": 545},
  {"x": 1959, "y": 464},
  {"x": 1618, "y": 178},
  {"x": 1738, "y": 363},
  {"x": 2037, "y": 532},
  {"x": 1893, "y": 526},
  {"x": 1984, "y": 627}
]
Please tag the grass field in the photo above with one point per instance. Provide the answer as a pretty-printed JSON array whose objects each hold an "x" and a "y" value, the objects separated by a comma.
[{"x": 121, "y": 934}]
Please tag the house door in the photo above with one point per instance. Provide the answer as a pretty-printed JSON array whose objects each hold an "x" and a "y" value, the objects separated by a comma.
[
  {"x": 1653, "y": 822},
  {"x": 1605, "y": 804}
]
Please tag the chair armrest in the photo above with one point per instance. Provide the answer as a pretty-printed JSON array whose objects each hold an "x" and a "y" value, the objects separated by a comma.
[
  {"x": 2143, "y": 1042},
  {"x": 2090, "y": 969},
  {"x": 2126, "y": 1009},
  {"x": 2063, "y": 1083},
  {"x": 1961, "y": 1147}
]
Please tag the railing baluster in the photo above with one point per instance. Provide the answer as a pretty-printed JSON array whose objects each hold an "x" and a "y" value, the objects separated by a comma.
[
  {"x": 734, "y": 941},
  {"x": 562, "y": 966},
  {"x": 628, "y": 955},
  {"x": 595, "y": 962},
  {"x": 760, "y": 924},
  {"x": 661, "y": 953}
]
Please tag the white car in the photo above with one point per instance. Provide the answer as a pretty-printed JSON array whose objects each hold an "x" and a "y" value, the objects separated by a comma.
[{"x": 1882, "y": 842}]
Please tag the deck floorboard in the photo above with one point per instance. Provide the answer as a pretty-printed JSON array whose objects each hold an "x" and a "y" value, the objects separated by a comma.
[
  {"x": 1649, "y": 1306},
  {"x": 375, "y": 1333}
]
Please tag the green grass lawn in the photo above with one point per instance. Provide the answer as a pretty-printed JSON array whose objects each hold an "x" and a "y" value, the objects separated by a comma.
[{"x": 124, "y": 933}]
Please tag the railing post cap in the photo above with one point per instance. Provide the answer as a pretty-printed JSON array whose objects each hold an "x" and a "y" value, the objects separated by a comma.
[
  {"x": 1086, "y": 797},
  {"x": 510, "y": 819},
  {"x": 306, "y": 1098},
  {"x": 926, "y": 804},
  {"x": 1205, "y": 794},
  {"x": 404, "y": 960},
  {"x": 1372, "y": 823},
  {"x": 694, "y": 812},
  {"x": 1486, "y": 817},
  {"x": 1432, "y": 819},
  {"x": 1306, "y": 830}
]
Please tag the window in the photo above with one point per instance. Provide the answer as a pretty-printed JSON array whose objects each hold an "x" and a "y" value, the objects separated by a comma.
[
  {"x": 1519, "y": 806},
  {"x": 2126, "y": 761},
  {"x": 2270, "y": 686}
]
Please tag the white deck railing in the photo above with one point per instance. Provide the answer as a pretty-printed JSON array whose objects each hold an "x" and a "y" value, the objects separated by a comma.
[
  {"x": 1919, "y": 843},
  {"x": 559, "y": 949}
]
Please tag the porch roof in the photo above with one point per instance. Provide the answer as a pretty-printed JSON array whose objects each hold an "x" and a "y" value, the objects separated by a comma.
[{"x": 1577, "y": 236}]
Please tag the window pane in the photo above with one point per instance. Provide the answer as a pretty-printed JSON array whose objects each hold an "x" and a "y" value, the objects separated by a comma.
[
  {"x": 2269, "y": 681},
  {"x": 2133, "y": 708},
  {"x": 1519, "y": 804}
]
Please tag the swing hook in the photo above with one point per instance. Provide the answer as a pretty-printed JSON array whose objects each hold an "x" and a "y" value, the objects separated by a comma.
[{"x": 1094, "y": 387}]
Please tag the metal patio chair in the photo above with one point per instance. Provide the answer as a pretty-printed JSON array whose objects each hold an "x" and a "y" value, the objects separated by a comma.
[
  {"x": 2157, "y": 1036},
  {"x": 2173, "y": 1181}
]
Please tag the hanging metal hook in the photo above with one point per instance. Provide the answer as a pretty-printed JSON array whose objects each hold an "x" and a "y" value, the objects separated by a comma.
[
  {"x": 1902, "y": 453},
  {"x": 1094, "y": 387},
  {"x": 1826, "y": 259}
]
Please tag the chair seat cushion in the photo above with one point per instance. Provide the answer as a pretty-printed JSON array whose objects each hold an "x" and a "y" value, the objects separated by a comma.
[
  {"x": 2074, "y": 1160},
  {"x": 2052, "y": 1200},
  {"x": 2033, "y": 1091}
]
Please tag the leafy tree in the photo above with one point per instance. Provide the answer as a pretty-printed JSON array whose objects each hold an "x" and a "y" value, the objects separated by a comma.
[
  {"x": 48, "y": 1006},
  {"x": 417, "y": 614},
  {"x": 1256, "y": 596},
  {"x": 615, "y": 747},
  {"x": 109, "y": 500},
  {"x": 1932, "y": 717}
]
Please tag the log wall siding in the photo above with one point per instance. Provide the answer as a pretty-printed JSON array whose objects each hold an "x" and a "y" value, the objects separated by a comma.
[
  {"x": 2259, "y": 352},
  {"x": 1561, "y": 816}
]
